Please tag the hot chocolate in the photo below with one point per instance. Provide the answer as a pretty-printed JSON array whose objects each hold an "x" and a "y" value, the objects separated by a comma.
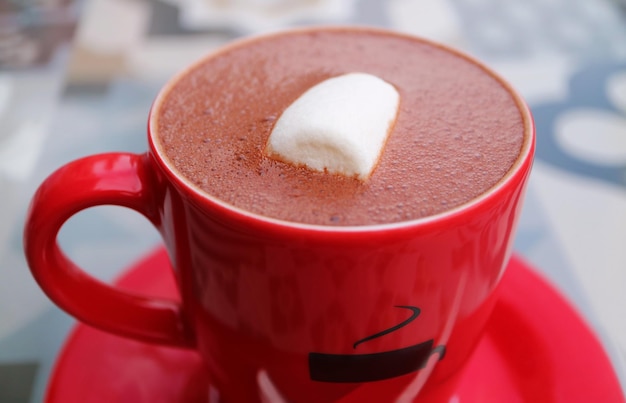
[{"x": 458, "y": 131}]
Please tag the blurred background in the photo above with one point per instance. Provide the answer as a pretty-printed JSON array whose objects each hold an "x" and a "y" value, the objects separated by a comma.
[{"x": 77, "y": 77}]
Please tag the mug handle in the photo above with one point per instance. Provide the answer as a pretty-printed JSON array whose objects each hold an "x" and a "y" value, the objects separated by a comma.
[{"x": 120, "y": 179}]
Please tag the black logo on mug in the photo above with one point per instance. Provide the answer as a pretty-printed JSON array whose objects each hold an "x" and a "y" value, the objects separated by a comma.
[{"x": 376, "y": 366}]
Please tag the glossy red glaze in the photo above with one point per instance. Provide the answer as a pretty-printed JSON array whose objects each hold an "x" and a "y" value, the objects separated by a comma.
[
  {"x": 114, "y": 179},
  {"x": 534, "y": 349},
  {"x": 262, "y": 293}
]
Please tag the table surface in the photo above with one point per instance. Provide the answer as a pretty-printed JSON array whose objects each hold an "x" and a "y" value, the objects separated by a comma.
[{"x": 78, "y": 78}]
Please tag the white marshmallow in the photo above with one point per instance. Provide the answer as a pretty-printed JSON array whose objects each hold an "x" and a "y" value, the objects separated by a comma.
[{"x": 339, "y": 125}]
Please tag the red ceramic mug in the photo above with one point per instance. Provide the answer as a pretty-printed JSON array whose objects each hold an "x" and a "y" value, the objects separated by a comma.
[{"x": 320, "y": 310}]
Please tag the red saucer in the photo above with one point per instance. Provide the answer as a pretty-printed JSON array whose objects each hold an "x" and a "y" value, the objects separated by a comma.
[{"x": 536, "y": 348}]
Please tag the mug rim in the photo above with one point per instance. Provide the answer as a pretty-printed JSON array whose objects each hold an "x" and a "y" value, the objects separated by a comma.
[{"x": 520, "y": 167}]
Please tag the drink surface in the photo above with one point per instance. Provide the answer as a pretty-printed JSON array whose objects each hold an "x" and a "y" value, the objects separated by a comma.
[{"x": 458, "y": 130}]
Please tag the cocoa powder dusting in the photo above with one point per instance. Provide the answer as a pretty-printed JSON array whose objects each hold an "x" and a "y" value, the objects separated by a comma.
[{"x": 457, "y": 134}]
